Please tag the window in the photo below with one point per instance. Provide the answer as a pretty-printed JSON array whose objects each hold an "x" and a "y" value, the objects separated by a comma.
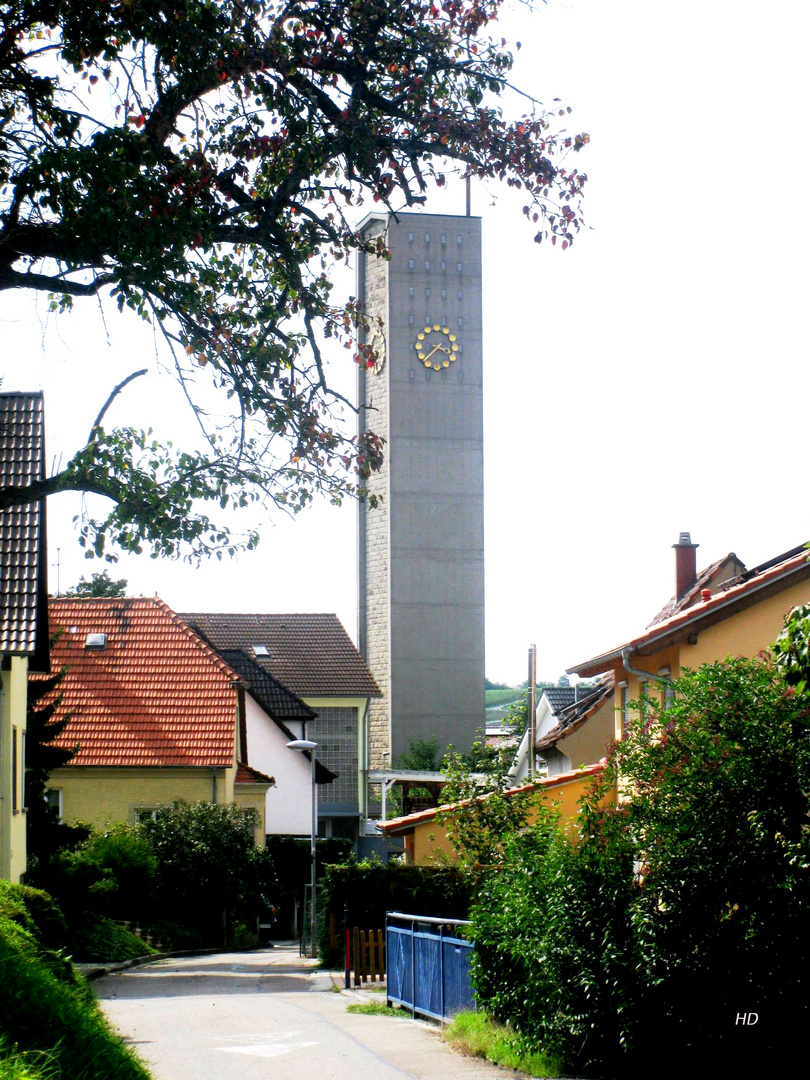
[
  {"x": 624, "y": 699},
  {"x": 260, "y": 650},
  {"x": 53, "y": 797}
]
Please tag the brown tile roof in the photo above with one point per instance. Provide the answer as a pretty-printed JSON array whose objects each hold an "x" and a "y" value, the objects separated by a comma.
[
  {"x": 23, "y": 556},
  {"x": 312, "y": 655},
  {"x": 245, "y": 774},
  {"x": 767, "y": 579},
  {"x": 576, "y": 714},
  {"x": 718, "y": 572},
  {"x": 154, "y": 694}
]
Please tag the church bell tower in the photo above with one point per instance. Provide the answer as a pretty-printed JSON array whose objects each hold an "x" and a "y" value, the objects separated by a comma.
[{"x": 421, "y": 551}]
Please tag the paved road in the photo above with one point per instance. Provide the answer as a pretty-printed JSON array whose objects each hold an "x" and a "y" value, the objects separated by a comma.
[{"x": 250, "y": 1016}]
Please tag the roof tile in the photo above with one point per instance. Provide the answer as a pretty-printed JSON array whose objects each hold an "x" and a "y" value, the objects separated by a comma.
[
  {"x": 22, "y": 528},
  {"x": 310, "y": 654},
  {"x": 154, "y": 695}
]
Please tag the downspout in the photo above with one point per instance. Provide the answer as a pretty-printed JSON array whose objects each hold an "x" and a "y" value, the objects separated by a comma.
[
  {"x": 645, "y": 676},
  {"x": 214, "y": 784}
]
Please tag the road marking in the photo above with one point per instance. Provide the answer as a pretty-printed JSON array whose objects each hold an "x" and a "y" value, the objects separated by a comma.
[{"x": 267, "y": 1050}]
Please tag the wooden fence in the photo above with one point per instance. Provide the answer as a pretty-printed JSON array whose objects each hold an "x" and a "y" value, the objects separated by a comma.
[
  {"x": 368, "y": 956},
  {"x": 367, "y": 953}
]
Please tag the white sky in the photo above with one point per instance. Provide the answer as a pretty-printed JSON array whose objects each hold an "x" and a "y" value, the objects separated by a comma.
[{"x": 651, "y": 380}]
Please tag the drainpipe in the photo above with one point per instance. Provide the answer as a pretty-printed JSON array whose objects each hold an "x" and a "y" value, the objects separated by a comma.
[
  {"x": 214, "y": 784},
  {"x": 645, "y": 676}
]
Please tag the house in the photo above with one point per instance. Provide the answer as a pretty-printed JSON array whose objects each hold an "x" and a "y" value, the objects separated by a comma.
[
  {"x": 312, "y": 656},
  {"x": 574, "y": 727},
  {"x": 425, "y": 834},
  {"x": 23, "y": 610},
  {"x": 274, "y": 717},
  {"x": 155, "y": 714},
  {"x": 734, "y": 611}
]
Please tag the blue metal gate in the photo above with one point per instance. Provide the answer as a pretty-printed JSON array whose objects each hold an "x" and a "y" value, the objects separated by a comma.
[{"x": 427, "y": 965}]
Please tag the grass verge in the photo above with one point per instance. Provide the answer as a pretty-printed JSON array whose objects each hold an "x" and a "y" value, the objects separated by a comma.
[
  {"x": 474, "y": 1033},
  {"x": 50, "y": 1023},
  {"x": 374, "y": 1008}
]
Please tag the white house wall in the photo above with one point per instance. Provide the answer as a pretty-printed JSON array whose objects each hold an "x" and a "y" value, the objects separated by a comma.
[{"x": 289, "y": 807}]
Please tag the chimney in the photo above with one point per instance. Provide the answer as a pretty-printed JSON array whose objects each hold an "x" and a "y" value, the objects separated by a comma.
[{"x": 685, "y": 564}]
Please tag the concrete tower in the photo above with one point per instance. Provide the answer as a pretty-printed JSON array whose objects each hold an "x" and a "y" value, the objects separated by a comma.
[{"x": 421, "y": 553}]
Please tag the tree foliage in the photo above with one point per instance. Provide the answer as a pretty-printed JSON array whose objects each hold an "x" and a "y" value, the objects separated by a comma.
[
  {"x": 44, "y": 832},
  {"x": 205, "y": 162},
  {"x": 209, "y": 871},
  {"x": 680, "y": 908},
  {"x": 477, "y": 828},
  {"x": 99, "y": 585}
]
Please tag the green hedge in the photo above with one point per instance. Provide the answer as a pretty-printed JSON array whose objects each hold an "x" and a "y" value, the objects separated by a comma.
[{"x": 372, "y": 888}]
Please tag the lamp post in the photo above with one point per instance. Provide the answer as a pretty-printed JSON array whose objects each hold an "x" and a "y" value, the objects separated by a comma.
[{"x": 301, "y": 745}]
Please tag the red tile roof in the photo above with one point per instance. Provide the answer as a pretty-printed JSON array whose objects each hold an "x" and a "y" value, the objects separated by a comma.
[
  {"x": 245, "y": 774},
  {"x": 740, "y": 593},
  {"x": 397, "y": 826},
  {"x": 23, "y": 562},
  {"x": 310, "y": 654},
  {"x": 155, "y": 694}
]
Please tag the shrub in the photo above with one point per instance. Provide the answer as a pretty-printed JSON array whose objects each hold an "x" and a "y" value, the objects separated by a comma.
[
  {"x": 553, "y": 946},
  {"x": 49, "y": 1020},
  {"x": 36, "y": 911},
  {"x": 110, "y": 873},
  {"x": 97, "y": 938},
  {"x": 209, "y": 875},
  {"x": 371, "y": 888},
  {"x": 679, "y": 909}
]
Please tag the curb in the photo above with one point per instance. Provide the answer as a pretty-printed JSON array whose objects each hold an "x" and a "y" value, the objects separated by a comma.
[{"x": 97, "y": 971}]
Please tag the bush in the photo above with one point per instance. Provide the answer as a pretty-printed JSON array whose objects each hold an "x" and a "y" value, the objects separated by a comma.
[
  {"x": 371, "y": 888},
  {"x": 110, "y": 873},
  {"x": 98, "y": 938},
  {"x": 680, "y": 908},
  {"x": 50, "y": 1023},
  {"x": 209, "y": 873},
  {"x": 553, "y": 947}
]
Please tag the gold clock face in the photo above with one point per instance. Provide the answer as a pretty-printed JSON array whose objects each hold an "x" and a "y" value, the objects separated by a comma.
[{"x": 436, "y": 347}]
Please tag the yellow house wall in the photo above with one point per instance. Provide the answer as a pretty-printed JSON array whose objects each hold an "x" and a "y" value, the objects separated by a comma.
[
  {"x": 102, "y": 797},
  {"x": 13, "y": 704},
  {"x": 588, "y": 744},
  {"x": 748, "y": 632},
  {"x": 429, "y": 839},
  {"x": 247, "y": 797},
  {"x": 745, "y": 633}
]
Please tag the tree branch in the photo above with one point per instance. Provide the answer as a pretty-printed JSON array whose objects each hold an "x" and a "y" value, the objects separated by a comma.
[{"x": 94, "y": 430}]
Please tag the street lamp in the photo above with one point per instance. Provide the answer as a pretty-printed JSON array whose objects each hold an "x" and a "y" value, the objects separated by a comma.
[{"x": 301, "y": 745}]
